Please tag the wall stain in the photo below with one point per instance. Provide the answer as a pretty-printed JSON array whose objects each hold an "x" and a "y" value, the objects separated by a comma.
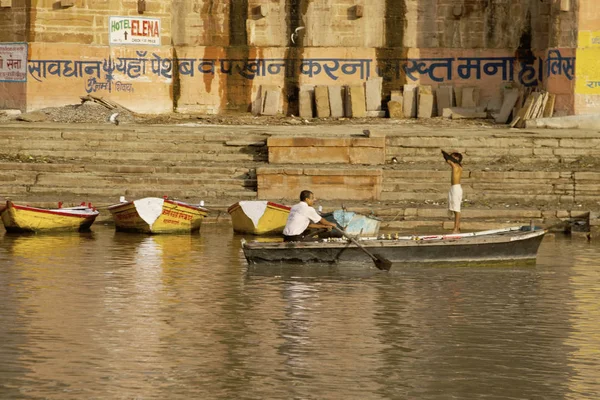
[
  {"x": 30, "y": 18},
  {"x": 208, "y": 36},
  {"x": 176, "y": 85},
  {"x": 524, "y": 53},
  {"x": 235, "y": 90},
  {"x": 295, "y": 13},
  {"x": 395, "y": 25}
]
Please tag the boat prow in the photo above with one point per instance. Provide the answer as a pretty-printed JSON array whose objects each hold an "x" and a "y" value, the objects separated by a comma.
[
  {"x": 157, "y": 215},
  {"x": 259, "y": 217},
  {"x": 26, "y": 219}
]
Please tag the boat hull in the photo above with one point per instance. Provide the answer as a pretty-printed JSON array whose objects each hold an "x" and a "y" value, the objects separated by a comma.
[
  {"x": 512, "y": 246},
  {"x": 153, "y": 215},
  {"x": 25, "y": 219},
  {"x": 258, "y": 217}
]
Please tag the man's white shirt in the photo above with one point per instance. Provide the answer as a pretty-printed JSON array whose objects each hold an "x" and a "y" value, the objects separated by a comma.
[{"x": 301, "y": 215}]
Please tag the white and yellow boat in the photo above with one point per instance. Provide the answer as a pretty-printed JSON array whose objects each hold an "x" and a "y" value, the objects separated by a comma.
[
  {"x": 23, "y": 218},
  {"x": 258, "y": 217},
  {"x": 156, "y": 215}
]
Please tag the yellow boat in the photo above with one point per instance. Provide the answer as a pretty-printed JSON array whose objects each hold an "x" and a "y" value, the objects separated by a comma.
[
  {"x": 20, "y": 218},
  {"x": 156, "y": 215},
  {"x": 258, "y": 217}
]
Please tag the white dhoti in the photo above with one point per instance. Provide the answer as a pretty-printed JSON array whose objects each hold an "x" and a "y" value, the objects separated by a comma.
[{"x": 455, "y": 198}]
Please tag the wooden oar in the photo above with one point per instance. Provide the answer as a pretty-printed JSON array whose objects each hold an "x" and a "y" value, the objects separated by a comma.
[{"x": 380, "y": 262}]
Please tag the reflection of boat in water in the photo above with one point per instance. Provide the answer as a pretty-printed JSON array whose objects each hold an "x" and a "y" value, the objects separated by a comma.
[
  {"x": 23, "y": 218},
  {"x": 258, "y": 217},
  {"x": 500, "y": 245},
  {"x": 156, "y": 215},
  {"x": 34, "y": 251},
  {"x": 353, "y": 223}
]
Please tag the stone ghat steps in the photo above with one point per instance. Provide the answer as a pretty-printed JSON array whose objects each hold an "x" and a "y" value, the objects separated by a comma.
[
  {"x": 133, "y": 146},
  {"x": 105, "y": 183},
  {"x": 525, "y": 147},
  {"x": 519, "y": 186}
]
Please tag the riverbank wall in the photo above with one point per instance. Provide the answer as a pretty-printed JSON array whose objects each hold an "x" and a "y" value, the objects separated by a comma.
[{"x": 510, "y": 176}]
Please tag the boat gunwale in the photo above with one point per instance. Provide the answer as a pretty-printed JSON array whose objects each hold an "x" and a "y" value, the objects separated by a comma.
[
  {"x": 113, "y": 208},
  {"x": 508, "y": 236},
  {"x": 92, "y": 213},
  {"x": 271, "y": 204}
]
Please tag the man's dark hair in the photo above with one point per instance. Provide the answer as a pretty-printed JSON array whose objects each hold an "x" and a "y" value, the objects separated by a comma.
[
  {"x": 457, "y": 156},
  {"x": 305, "y": 194}
]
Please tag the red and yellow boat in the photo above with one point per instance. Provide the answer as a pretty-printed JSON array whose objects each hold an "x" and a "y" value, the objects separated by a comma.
[
  {"x": 259, "y": 217},
  {"x": 23, "y": 218},
  {"x": 157, "y": 215}
]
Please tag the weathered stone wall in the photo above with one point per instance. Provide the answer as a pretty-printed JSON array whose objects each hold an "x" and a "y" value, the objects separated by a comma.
[
  {"x": 86, "y": 22},
  {"x": 215, "y": 54},
  {"x": 13, "y": 22},
  {"x": 489, "y": 24}
]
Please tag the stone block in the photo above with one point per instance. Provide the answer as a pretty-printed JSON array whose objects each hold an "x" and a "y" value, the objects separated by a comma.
[
  {"x": 410, "y": 100},
  {"x": 395, "y": 109},
  {"x": 307, "y": 102},
  {"x": 470, "y": 97},
  {"x": 322, "y": 102},
  {"x": 495, "y": 103},
  {"x": 347, "y": 105},
  {"x": 397, "y": 96},
  {"x": 10, "y": 112},
  {"x": 445, "y": 97},
  {"x": 306, "y": 150},
  {"x": 336, "y": 101},
  {"x": 373, "y": 92},
  {"x": 467, "y": 113},
  {"x": 357, "y": 101},
  {"x": 271, "y": 105},
  {"x": 355, "y": 184},
  {"x": 458, "y": 96},
  {"x": 375, "y": 114},
  {"x": 425, "y": 108},
  {"x": 259, "y": 101},
  {"x": 366, "y": 156},
  {"x": 511, "y": 96}
]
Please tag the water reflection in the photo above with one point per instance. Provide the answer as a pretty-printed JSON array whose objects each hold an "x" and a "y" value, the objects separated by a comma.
[{"x": 112, "y": 315}]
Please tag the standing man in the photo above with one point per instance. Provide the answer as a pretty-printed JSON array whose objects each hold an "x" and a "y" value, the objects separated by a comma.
[
  {"x": 303, "y": 219},
  {"x": 455, "y": 194}
]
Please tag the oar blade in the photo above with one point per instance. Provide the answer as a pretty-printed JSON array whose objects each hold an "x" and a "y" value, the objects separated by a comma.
[{"x": 382, "y": 263}]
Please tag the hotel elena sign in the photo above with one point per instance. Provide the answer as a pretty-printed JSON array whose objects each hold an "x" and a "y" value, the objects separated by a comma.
[
  {"x": 13, "y": 62},
  {"x": 134, "y": 30}
]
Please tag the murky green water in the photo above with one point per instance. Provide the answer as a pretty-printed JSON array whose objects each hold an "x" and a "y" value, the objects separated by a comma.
[{"x": 116, "y": 316}]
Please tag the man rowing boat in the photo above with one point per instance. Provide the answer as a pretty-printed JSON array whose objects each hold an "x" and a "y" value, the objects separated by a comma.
[{"x": 304, "y": 221}]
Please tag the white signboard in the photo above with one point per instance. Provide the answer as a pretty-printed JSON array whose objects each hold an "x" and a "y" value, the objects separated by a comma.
[
  {"x": 134, "y": 30},
  {"x": 13, "y": 62}
]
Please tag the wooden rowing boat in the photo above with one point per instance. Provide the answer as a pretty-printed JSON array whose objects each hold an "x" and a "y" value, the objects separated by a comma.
[
  {"x": 258, "y": 217},
  {"x": 157, "y": 215},
  {"x": 499, "y": 245},
  {"x": 23, "y": 218}
]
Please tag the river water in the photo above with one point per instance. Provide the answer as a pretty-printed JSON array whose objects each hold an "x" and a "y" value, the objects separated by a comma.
[{"x": 106, "y": 315}]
